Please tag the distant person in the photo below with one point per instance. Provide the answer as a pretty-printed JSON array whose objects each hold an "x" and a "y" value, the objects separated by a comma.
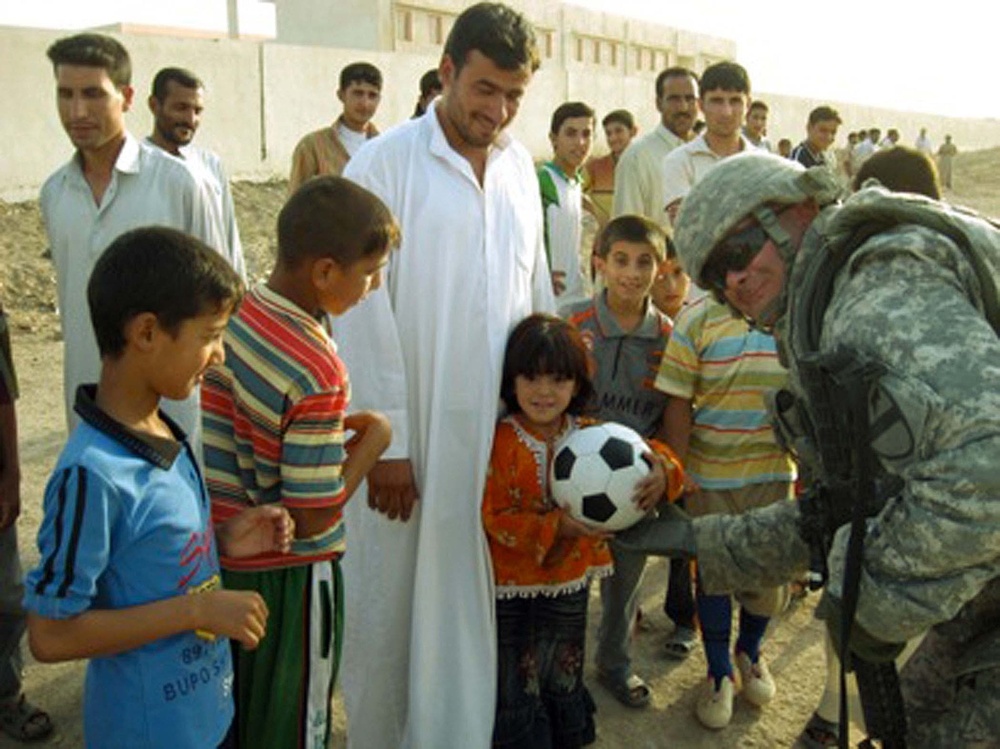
[
  {"x": 638, "y": 178},
  {"x": 571, "y": 133},
  {"x": 19, "y": 719},
  {"x": 276, "y": 418},
  {"x": 785, "y": 148},
  {"x": 755, "y": 129},
  {"x": 327, "y": 150},
  {"x": 129, "y": 570},
  {"x": 112, "y": 184},
  {"x": 891, "y": 138},
  {"x": 864, "y": 148},
  {"x": 946, "y": 155},
  {"x": 821, "y": 134},
  {"x": 923, "y": 143},
  {"x": 599, "y": 171},
  {"x": 844, "y": 155},
  {"x": 430, "y": 88},
  {"x": 901, "y": 169},
  {"x": 724, "y": 98},
  {"x": 177, "y": 103},
  {"x": 420, "y": 636}
]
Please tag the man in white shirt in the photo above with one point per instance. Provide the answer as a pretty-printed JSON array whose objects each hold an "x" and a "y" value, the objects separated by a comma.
[
  {"x": 112, "y": 184},
  {"x": 327, "y": 150},
  {"x": 420, "y": 665},
  {"x": 639, "y": 176},
  {"x": 725, "y": 96},
  {"x": 177, "y": 102}
]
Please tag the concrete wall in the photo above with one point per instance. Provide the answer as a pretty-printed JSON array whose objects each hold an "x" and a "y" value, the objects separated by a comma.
[{"x": 262, "y": 97}]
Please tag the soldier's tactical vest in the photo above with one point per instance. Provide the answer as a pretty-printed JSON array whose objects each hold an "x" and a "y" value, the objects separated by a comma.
[{"x": 812, "y": 422}]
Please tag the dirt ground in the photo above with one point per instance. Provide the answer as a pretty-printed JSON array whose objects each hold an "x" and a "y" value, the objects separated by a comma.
[{"x": 793, "y": 648}]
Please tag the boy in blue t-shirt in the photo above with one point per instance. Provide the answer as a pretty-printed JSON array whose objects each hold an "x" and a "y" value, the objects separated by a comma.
[{"x": 129, "y": 572}]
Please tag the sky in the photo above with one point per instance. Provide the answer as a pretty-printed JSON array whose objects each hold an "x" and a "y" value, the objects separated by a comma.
[{"x": 885, "y": 53}]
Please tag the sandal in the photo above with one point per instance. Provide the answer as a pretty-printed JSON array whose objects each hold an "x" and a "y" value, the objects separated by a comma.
[
  {"x": 680, "y": 644},
  {"x": 631, "y": 692},
  {"x": 21, "y": 720},
  {"x": 819, "y": 733}
]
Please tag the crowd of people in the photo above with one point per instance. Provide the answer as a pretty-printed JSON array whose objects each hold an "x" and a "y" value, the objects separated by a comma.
[{"x": 435, "y": 323}]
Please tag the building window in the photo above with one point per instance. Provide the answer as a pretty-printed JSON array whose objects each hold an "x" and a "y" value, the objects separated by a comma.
[
  {"x": 404, "y": 30},
  {"x": 597, "y": 50},
  {"x": 579, "y": 49},
  {"x": 614, "y": 55},
  {"x": 436, "y": 29},
  {"x": 550, "y": 44}
]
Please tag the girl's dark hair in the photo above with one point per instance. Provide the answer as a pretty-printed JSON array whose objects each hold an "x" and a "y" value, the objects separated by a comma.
[{"x": 545, "y": 344}]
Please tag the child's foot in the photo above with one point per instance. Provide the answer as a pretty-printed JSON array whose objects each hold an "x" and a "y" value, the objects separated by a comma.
[
  {"x": 680, "y": 643},
  {"x": 819, "y": 733},
  {"x": 21, "y": 720},
  {"x": 715, "y": 703},
  {"x": 631, "y": 691},
  {"x": 758, "y": 686}
]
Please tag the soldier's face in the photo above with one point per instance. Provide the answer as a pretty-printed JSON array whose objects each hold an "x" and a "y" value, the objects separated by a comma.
[{"x": 753, "y": 289}]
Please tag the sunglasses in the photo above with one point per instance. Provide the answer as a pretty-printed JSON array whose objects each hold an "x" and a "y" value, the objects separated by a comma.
[{"x": 734, "y": 253}]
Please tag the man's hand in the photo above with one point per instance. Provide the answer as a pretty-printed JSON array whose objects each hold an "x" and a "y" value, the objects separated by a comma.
[
  {"x": 392, "y": 489},
  {"x": 240, "y": 615},
  {"x": 258, "y": 530}
]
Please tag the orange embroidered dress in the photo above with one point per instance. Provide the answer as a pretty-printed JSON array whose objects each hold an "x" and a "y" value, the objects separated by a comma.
[{"x": 521, "y": 519}]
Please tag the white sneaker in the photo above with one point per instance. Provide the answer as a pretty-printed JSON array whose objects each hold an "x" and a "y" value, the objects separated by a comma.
[
  {"x": 715, "y": 706},
  {"x": 758, "y": 686}
]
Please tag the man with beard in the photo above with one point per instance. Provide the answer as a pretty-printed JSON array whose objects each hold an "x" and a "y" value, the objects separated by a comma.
[
  {"x": 177, "y": 102},
  {"x": 420, "y": 664},
  {"x": 638, "y": 178}
]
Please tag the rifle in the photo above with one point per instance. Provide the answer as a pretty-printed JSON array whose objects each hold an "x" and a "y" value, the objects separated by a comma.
[{"x": 837, "y": 387}]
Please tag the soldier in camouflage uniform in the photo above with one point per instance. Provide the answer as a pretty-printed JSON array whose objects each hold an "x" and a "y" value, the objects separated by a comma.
[{"x": 910, "y": 301}]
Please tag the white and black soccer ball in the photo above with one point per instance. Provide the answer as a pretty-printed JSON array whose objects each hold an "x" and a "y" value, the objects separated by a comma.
[{"x": 594, "y": 473}]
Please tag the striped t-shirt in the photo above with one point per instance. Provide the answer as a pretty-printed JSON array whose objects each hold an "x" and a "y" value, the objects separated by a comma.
[
  {"x": 725, "y": 368},
  {"x": 273, "y": 422}
]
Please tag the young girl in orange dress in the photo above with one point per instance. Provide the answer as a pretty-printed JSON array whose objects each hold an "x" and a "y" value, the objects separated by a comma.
[{"x": 544, "y": 560}]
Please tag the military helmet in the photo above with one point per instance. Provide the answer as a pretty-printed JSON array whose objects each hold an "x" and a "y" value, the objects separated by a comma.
[{"x": 734, "y": 189}]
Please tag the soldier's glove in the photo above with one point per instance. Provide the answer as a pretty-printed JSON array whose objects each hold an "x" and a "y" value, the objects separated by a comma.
[
  {"x": 666, "y": 533},
  {"x": 862, "y": 643}
]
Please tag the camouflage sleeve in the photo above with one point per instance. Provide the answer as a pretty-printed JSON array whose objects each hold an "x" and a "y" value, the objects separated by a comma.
[
  {"x": 755, "y": 550},
  {"x": 935, "y": 546}
]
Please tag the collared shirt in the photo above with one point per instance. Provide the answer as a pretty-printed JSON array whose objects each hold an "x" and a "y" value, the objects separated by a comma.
[
  {"x": 148, "y": 187},
  {"x": 274, "y": 423},
  {"x": 804, "y": 154},
  {"x": 625, "y": 363},
  {"x": 562, "y": 204},
  {"x": 724, "y": 368},
  {"x": 639, "y": 175},
  {"x": 321, "y": 152},
  {"x": 206, "y": 166},
  {"x": 127, "y": 522},
  {"x": 686, "y": 165}
]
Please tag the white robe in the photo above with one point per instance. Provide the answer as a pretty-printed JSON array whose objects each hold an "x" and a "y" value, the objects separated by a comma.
[{"x": 427, "y": 349}]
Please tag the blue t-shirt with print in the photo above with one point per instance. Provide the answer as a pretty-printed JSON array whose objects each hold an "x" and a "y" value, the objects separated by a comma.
[{"x": 127, "y": 522}]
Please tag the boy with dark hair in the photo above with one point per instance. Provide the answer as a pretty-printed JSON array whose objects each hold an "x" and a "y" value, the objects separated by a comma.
[
  {"x": 755, "y": 129},
  {"x": 626, "y": 336},
  {"x": 327, "y": 150},
  {"x": 725, "y": 96},
  {"x": 599, "y": 172},
  {"x": 129, "y": 574},
  {"x": 275, "y": 428},
  {"x": 560, "y": 181},
  {"x": 821, "y": 132}
]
